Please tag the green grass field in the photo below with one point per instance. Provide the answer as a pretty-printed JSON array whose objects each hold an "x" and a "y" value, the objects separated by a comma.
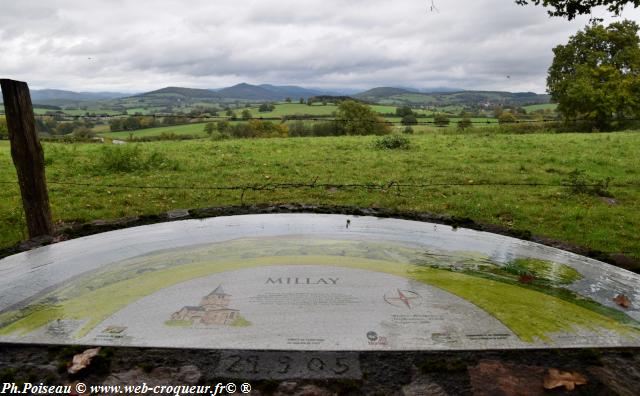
[
  {"x": 189, "y": 129},
  {"x": 283, "y": 109},
  {"x": 436, "y": 158},
  {"x": 76, "y": 112},
  {"x": 545, "y": 106}
]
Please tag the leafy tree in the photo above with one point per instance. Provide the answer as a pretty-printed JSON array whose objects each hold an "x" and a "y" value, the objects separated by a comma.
[
  {"x": 288, "y": 100},
  {"x": 403, "y": 111},
  {"x": 209, "y": 128},
  {"x": 230, "y": 113},
  {"x": 258, "y": 129},
  {"x": 441, "y": 120},
  {"x": 301, "y": 101},
  {"x": 328, "y": 128},
  {"x": 266, "y": 107},
  {"x": 465, "y": 123},
  {"x": 507, "y": 118},
  {"x": 596, "y": 75},
  {"x": 246, "y": 114},
  {"x": 64, "y": 128},
  {"x": 223, "y": 126},
  {"x": 115, "y": 124},
  {"x": 359, "y": 119},
  {"x": 409, "y": 119},
  {"x": 572, "y": 8},
  {"x": 83, "y": 133}
]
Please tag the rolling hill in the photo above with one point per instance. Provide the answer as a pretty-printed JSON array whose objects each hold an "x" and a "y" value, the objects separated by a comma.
[
  {"x": 265, "y": 92},
  {"x": 402, "y": 96},
  {"x": 179, "y": 92}
]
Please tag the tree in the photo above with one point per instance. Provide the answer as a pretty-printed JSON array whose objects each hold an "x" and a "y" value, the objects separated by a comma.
[
  {"x": 359, "y": 119},
  {"x": 288, "y": 100},
  {"x": 507, "y": 118},
  {"x": 572, "y": 8},
  {"x": 246, "y": 114},
  {"x": 441, "y": 120},
  {"x": 596, "y": 75},
  {"x": 403, "y": 111},
  {"x": 83, "y": 133},
  {"x": 409, "y": 119},
  {"x": 115, "y": 124},
  {"x": 223, "y": 126},
  {"x": 266, "y": 107},
  {"x": 209, "y": 128},
  {"x": 301, "y": 100},
  {"x": 464, "y": 123}
]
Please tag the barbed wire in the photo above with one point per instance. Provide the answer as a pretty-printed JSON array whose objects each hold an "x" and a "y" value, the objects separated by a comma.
[
  {"x": 396, "y": 187},
  {"x": 315, "y": 184}
]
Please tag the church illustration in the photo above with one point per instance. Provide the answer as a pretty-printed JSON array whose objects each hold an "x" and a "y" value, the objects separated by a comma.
[{"x": 213, "y": 310}]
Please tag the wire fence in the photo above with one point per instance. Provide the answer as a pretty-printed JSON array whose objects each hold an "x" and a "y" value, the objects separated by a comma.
[
  {"x": 390, "y": 185},
  {"x": 394, "y": 187}
]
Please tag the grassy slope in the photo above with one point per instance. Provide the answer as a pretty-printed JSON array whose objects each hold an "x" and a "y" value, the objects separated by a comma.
[
  {"x": 544, "y": 106},
  {"x": 189, "y": 129},
  {"x": 551, "y": 211}
]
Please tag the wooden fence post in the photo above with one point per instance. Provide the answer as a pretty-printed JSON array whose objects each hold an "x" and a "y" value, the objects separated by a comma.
[{"x": 28, "y": 157}]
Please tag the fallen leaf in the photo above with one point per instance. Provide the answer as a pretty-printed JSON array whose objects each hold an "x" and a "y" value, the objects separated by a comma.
[
  {"x": 556, "y": 378},
  {"x": 82, "y": 360},
  {"x": 526, "y": 278},
  {"x": 622, "y": 301}
]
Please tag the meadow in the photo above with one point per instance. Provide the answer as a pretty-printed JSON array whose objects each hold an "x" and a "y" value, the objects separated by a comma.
[
  {"x": 571, "y": 215},
  {"x": 196, "y": 129}
]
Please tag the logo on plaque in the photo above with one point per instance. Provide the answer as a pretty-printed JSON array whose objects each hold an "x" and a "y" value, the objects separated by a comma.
[
  {"x": 403, "y": 299},
  {"x": 213, "y": 310}
]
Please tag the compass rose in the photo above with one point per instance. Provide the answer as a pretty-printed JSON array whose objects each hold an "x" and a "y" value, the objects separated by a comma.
[{"x": 404, "y": 298}]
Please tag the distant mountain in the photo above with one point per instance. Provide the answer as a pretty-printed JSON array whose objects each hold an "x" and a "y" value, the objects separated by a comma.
[
  {"x": 266, "y": 92},
  {"x": 43, "y": 95},
  {"x": 291, "y": 91},
  {"x": 375, "y": 94},
  {"x": 248, "y": 92},
  {"x": 440, "y": 90},
  {"x": 179, "y": 92}
]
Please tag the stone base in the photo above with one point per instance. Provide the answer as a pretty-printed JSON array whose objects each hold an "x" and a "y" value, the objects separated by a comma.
[{"x": 608, "y": 371}]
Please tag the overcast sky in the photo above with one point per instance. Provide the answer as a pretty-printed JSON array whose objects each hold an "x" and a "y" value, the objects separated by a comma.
[{"x": 134, "y": 45}]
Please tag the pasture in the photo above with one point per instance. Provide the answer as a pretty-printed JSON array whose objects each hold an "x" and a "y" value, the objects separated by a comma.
[
  {"x": 468, "y": 160},
  {"x": 543, "y": 106}
]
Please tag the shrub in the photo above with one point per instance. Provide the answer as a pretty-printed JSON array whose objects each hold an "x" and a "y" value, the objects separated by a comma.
[
  {"x": 465, "y": 123},
  {"x": 409, "y": 119},
  {"x": 131, "y": 158},
  {"x": 441, "y": 120},
  {"x": 392, "y": 142},
  {"x": 579, "y": 183},
  {"x": 507, "y": 118}
]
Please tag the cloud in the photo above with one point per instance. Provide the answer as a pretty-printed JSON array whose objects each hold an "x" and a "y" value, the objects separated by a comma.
[{"x": 130, "y": 45}]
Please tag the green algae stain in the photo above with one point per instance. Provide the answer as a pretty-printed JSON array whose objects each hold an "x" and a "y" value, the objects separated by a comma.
[
  {"x": 178, "y": 323},
  {"x": 240, "y": 322},
  {"x": 554, "y": 273}
]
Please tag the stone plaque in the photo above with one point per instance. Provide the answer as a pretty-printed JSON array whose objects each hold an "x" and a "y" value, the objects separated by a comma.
[{"x": 301, "y": 282}]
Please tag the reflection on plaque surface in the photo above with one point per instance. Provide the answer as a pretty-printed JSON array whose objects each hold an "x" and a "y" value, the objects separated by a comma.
[{"x": 309, "y": 282}]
